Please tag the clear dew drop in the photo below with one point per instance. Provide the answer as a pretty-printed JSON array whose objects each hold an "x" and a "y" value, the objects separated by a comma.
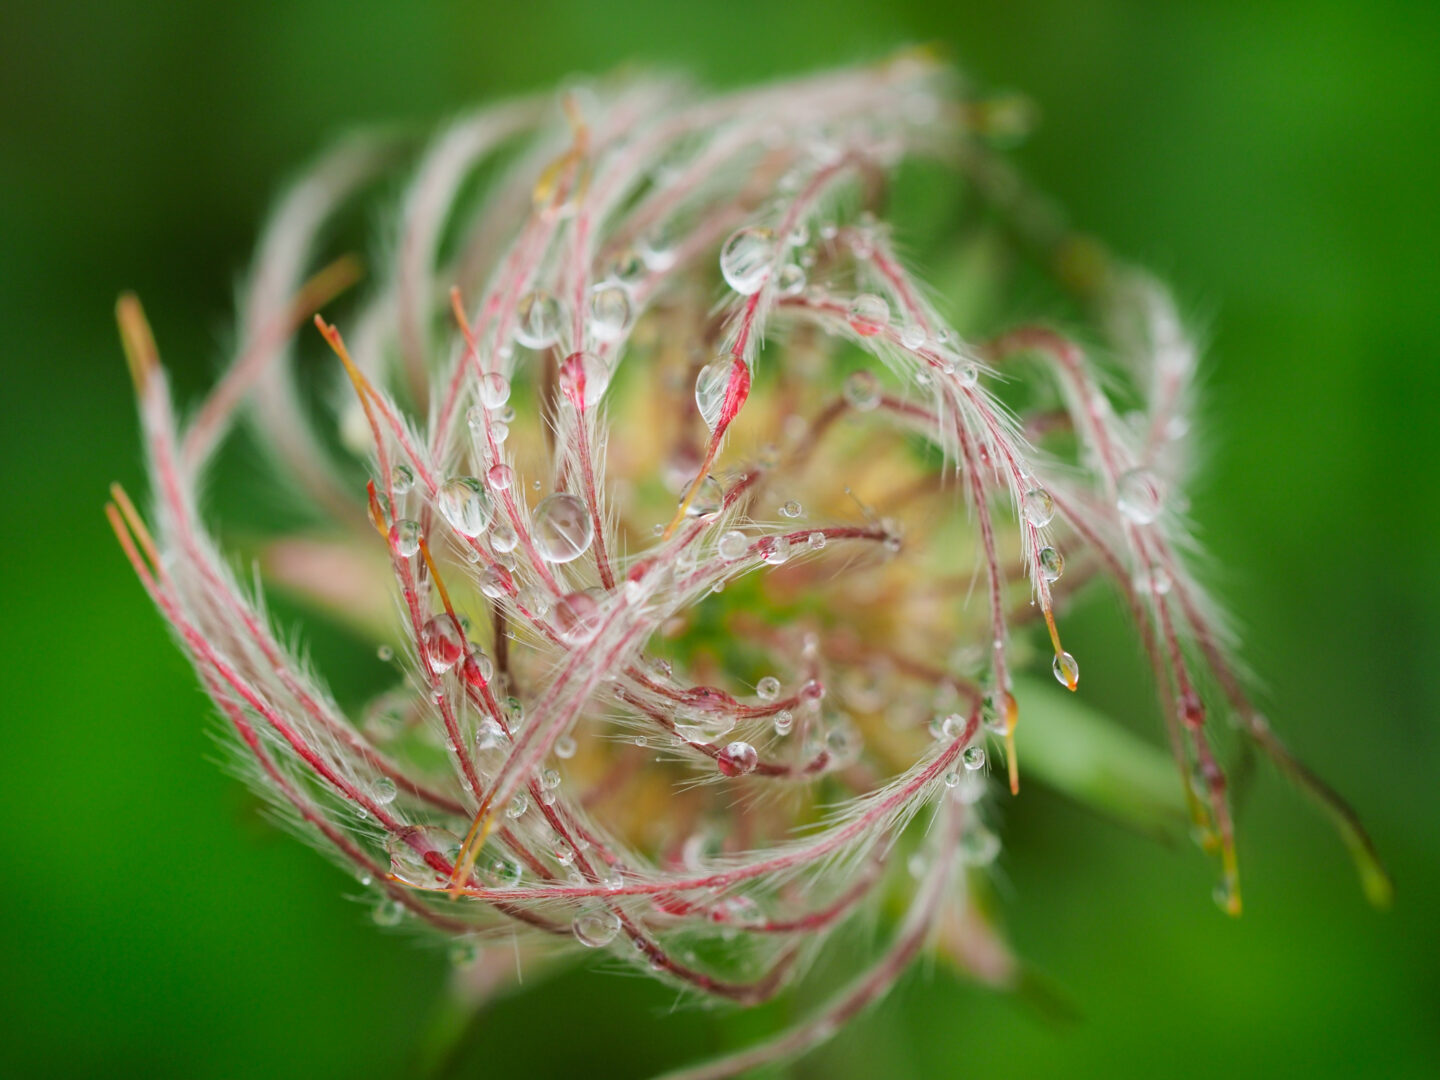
[
  {"x": 1067, "y": 671},
  {"x": 737, "y": 759},
  {"x": 712, "y": 385},
  {"x": 776, "y": 550},
  {"x": 973, "y": 758},
  {"x": 443, "y": 642},
  {"x": 952, "y": 779},
  {"x": 791, "y": 279},
  {"x": 732, "y": 545},
  {"x": 967, "y": 375},
  {"x": 862, "y": 390},
  {"x": 791, "y": 509},
  {"x": 503, "y": 873},
  {"x": 503, "y": 537},
  {"x": 784, "y": 721},
  {"x": 1052, "y": 563},
  {"x": 768, "y": 688},
  {"x": 388, "y": 913},
  {"x": 494, "y": 391},
  {"x": 912, "y": 335},
  {"x": 948, "y": 727},
  {"x": 583, "y": 378},
  {"x": 1039, "y": 507},
  {"x": 1139, "y": 496},
  {"x": 610, "y": 312},
  {"x": 384, "y": 791},
  {"x": 493, "y": 581},
  {"x": 561, "y": 528},
  {"x": 868, "y": 314},
  {"x": 405, "y": 536},
  {"x": 538, "y": 320},
  {"x": 701, "y": 725},
  {"x": 385, "y": 653},
  {"x": 596, "y": 929},
  {"x": 465, "y": 504},
  {"x": 979, "y": 846},
  {"x": 500, "y": 476},
  {"x": 564, "y": 749},
  {"x": 708, "y": 498},
  {"x": 402, "y": 479},
  {"x": 518, "y": 805},
  {"x": 746, "y": 258},
  {"x": 576, "y": 617},
  {"x": 816, "y": 541}
]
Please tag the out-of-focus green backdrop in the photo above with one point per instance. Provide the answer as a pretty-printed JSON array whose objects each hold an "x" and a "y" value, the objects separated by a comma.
[{"x": 1276, "y": 160}]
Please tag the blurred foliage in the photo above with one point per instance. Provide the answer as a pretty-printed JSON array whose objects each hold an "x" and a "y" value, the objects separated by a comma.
[{"x": 1276, "y": 160}]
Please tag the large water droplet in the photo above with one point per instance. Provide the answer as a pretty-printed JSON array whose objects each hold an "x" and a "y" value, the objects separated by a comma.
[
  {"x": 768, "y": 688},
  {"x": 596, "y": 929},
  {"x": 538, "y": 320},
  {"x": 1039, "y": 507},
  {"x": 733, "y": 545},
  {"x": 737, "y": 759},
  {"x": 974, "y": 758},
  {"x": 712, "y": 386},
  {"x": 561, "y": 528},
  {"x": 746, "y": 259},
  {"x": 702, "y": 725},
  {"x": 494, "y": 390},
  {"x": 443, "y": 642},
  {"x": 1067, "y": 671},
  {"x": 576, "y": 617},
  {"x": 406, "y": 535},
  {"x": 708, "y": 498},
  {"x": 1139, "y": 496},
  {"x": 402, "y": 479},
  {"x": 465, "y": 504},
  {"x": 501, "y": 476},
  {"x": 583, "y": 379},
  {"x": 610, "y": 312},
  {"x": 869, "y": 314},
  {"x": 1052, "y": 563}
]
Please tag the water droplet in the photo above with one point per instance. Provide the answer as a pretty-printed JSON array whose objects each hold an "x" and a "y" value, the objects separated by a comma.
[
  {"x": 596, "y": 929},
  {"x": 791, "y": 280},
  {"x": 490, "y": 735},
  {"x": 405, "y": 536},
  {"x": 946, "y": 728},
  {"x": 628, "y": 267},
  {"x": 768, "y": 688},
  {"x": 657, "y": 248},
  {"x": 463, "y": 954},
  {"x": 564, "y": 749},
  {"x": 912, "y": 335},
  {"x": 1052, "y": 563},
  {"x": 709, "y": 497},
  {"x": 583, "y": 379},
  {"x": 503, "y": 873},
  {"x": 500, "y": 476},
  {"x": 952, "y": 779},
  {"x": 385, "y": 653},
  {"x": 503, "y": 537},
  {"x": 784, "y": 721},
  {"x": 1039, "y": 507},
  {"x": 775, "y": 549},
  {"x": 464, "y": 503},
  {"x": 388, "y": 913},
  {"x": 702, "y": 725},
  {"x": 1067, "y": 671},
  {"x": 712, "y": 387},
  {"x": 737, "y": 759},
  {"x": 538, "y": 320},
  {"x": 967, "y": 375},
  {"x": 443, "y": 642},
  {"x": 816, "y": 541},
  {"x": 494, "y": 392},
  {"x": 561, "y": 528},
  {"x": 402, "y": 479},
  {"x": 610, "y": 312},
  {"x": 979, "y": 846},
  {"x": 791, "y": 509},
  {"x": 518, "y": 805},
  {"x": 384, "y": 790},
  {"x": 862, "y": 390},
  {"x": 974, "y": 758},
  {"x": 869, "y": 314},
  {"x": 1159, "y": 582},
  {"x": 1139, "y": 496},
  {"x": 745, "y": 260},
  {"x": 576, "y": 617},
  {"x": 732, "y": 545}
]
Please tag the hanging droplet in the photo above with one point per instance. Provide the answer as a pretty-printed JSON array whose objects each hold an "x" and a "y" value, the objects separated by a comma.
[
  {"x": 384, "y": 791},
  {"x": 402, "y": 479},
  {"x": 912, "y": 335},
  {"x": 862, "y": 390},
  {"x": 494, "y": 390},
  {"x": 576, "y": 617},
  {"x": 503, "y": 873},
  {"x": 791, "y": 509},
  {"x": 518, "y": 805},
  {"x": 405, "y": 536},
  {"x": 500, "y": 476},
  {"x": 538, "y": 320},
  {"x": 768, "y": 688},
  {"x": 784, "y": 721},
  {"x": 948, "y": 727},
  {"x": 564, "y": 749},
  {"x": 712, "y": 387},
  {"x": 596, "y": 929},
  {"x": 775, "y": 549},
  {"x": 1039, "y": 507},
  {"x": 791, "y": 280},
  {"x": 702, "y": 725},
  {"x": 1052, "y": 563},
  {"x": 746, "y": 258},
  {"x": 388, "y": 913},
  {"x": 708, "y": 498},
  {"x": 610, "y": 312},
  {"x": 465, "y": 504},
  {"x": 732, "y": 545},
  {"x": 583, "y": 379},
  {"x": 1067, "y": 671},
  {"x": 816, "y": 541},
  {"x": 737, "y": 759},
  {"x": 974, "y": 758},
  {"x": 1139, "y": 496},
  {"x": 503, "y": 537},
  {"x": 869, "y": 314},
  {"x": 443, "y": 642},
  {"x": 979, "y": 846},
  {"x": 385, "y": 653},
  {"x": 561, "y": 528},
  {"x": 967, "y": 375},
  {"x": 657, "y": 248}
]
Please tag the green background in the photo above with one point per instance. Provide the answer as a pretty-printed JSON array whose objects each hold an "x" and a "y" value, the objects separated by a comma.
[{"x": 1277, "y": 161}]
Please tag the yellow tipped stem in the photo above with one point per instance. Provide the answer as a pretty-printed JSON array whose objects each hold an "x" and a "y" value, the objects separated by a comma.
[
  {"x": 1012, "y": 718},
  {"x": 141, "y": 355}
]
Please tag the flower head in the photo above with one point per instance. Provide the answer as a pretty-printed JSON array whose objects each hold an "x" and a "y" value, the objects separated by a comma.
[{"x": 710, "y": 555}]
